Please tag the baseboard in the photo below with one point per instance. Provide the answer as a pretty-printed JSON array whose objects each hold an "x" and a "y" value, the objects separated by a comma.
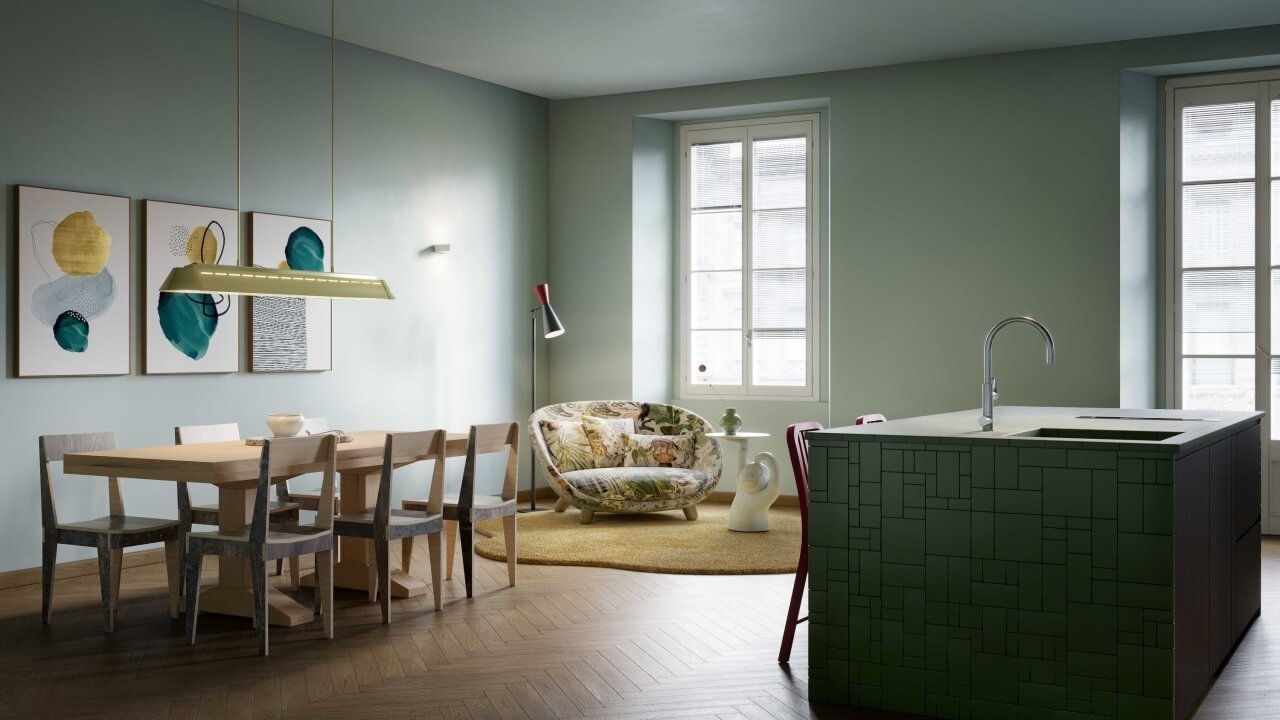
[
  {"x": 76, "y": 568},
  {"x": 726, "y": 496}
]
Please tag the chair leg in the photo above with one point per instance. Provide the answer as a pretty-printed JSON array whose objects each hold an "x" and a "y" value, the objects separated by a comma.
[
  {"x": 258, "y": 575},
  {"x": 192, "y": 583},
  {"x": 793, "y": 612},
  {"x": 173, "y": 566},
  {"x": 295, "y": 572},
  {"x": 184, "y": 528},
  {"x": 280, "y": 566},
  {"x": 586, "y": 515},
  {"x": 691, "y": 512},
  {"x": 561, "y": 504},
  {"x": 117, "y": 565},
  {"x": 382, "y": 549},
  {"x": 433, "y": 548},
  {"x": 465, "y": 532},
  {"x": 324, "y": 586},
  {"x": 49, "y": 560},
  {"x": 371, "y": 562},
  {"x": 450, "y": 542},
  {"x": 406, "y": 554},
  {"x": 509, "y": 535},
  {"x": 104, "y": 578}
]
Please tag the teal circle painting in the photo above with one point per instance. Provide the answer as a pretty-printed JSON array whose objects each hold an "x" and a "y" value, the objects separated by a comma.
[
  {"x": 188, "y": 321},
  {"x": 71, "y": 331},
  {"x": 304, "y": 251}
]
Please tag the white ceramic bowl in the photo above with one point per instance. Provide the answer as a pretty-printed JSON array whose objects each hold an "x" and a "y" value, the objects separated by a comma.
[{"x": 285, "y": 424}]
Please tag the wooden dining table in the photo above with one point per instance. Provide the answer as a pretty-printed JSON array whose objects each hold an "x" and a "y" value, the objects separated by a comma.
[{"x": 233, "y": 468}]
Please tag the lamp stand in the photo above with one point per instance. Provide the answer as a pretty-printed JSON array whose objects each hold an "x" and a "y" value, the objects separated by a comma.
[{"x": 533, "y": 407}]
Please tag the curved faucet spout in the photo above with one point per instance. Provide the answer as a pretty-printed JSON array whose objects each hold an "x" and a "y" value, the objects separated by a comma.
[{"x": 989, "y": 390}]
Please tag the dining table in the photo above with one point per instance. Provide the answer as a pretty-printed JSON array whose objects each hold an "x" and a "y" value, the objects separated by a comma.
[{"x": 233, "y": 468}]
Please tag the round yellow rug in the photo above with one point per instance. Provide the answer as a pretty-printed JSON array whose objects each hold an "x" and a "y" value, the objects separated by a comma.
[{"x": 662, "y": 542}]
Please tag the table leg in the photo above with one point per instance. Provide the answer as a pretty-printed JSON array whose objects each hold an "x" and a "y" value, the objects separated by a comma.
[
  {"x": 233, "y": 594},
  {"x": 355, "y": 561}
]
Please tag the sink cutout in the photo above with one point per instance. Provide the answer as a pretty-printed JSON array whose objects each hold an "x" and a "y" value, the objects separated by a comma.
[{"x": 1098, "y": 434}]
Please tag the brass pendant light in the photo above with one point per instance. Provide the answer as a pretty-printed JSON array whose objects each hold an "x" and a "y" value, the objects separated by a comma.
[{"x": 274, "y": 282}]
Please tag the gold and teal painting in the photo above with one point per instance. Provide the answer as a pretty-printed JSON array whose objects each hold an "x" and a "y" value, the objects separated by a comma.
[
  {"x": 189, "y": 332},
  {"x": 73, "y": 283},
  {"x": 291, "y": 334}
]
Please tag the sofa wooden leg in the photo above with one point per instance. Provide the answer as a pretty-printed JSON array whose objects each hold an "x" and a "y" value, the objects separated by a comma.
[
  {"x": 691, "y": 512},
  {"x": 561, "y": 504},
  {"x": 586, "y": 515}
]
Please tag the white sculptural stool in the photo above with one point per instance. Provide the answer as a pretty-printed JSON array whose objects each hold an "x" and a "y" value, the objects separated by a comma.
[{"x": 759, "y": 484}]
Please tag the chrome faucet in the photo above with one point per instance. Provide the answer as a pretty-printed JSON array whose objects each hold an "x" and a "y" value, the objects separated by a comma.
[{"x": 989, "y": 392}]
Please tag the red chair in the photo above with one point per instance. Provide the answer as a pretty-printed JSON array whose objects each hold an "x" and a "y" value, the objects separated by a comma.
[{"x": 799, "y": 450}]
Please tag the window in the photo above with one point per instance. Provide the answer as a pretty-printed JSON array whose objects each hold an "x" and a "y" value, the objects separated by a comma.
[
  {"x": 749, "y": 245},
  {"x": 1224, "y": 222}
]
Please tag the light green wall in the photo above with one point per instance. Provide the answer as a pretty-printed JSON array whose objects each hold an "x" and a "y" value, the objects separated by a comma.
[
  {"x": 137, "y": 98},
  {"x": 962, "y": 191}
]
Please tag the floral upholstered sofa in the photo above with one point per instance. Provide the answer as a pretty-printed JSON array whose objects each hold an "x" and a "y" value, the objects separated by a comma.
[{"x": 625, "y": 457}]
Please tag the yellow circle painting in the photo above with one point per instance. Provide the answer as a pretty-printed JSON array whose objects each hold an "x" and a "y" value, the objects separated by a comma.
[
  {"x": 202, "y": 248},
  {"x": 81, "y": 245}
]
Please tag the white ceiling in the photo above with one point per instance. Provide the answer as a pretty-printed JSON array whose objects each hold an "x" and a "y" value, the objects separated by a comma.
[{"x": 575, "y": 48}]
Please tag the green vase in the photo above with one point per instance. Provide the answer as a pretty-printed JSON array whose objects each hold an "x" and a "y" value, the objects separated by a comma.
[{"x": 731, "y": 421}]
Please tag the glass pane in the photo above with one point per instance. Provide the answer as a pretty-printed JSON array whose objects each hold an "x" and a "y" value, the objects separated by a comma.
[
  {"x": 1275, "y": 312},
  {"x": 1217, "y": 312},
  {"x": 1275, "y": 396},
  {"x": 716, "y": 175},
  {"x": 1217, "y": 225},
  {"x": 716, "y": 237},
  {"x": 779, "y": 179},
  {"x": 1275, "y": 223},
  {"x": 779, "y": 239},
  {"x": 1217, "y": 383},
  {"x": 715, "y": 357},
  {"x": 778, "y": 299},
  {"x": 717, "y": 300},
  {"x": 1217, "y": 142},
  {"x": 1275, "y": 150},
  {"x": 778, "y": 357}
]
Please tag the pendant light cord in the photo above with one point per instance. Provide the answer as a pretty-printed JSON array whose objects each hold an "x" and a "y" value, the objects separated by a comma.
[
  {"x": 238, "y": 259},
  {"x": 333, "y": 122}
]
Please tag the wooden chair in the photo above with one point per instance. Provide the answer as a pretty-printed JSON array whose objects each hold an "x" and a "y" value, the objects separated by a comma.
[
  {"x": 261, "y": 542},
  {"x": 464, "y": 510},
  {"x": 110, "y": 534},
  {"x": 188, "y": 515},
  {"x": 799, "y": 450},
  {"x": 383, "y": 525},
  {"x": 307, "y": 500}
]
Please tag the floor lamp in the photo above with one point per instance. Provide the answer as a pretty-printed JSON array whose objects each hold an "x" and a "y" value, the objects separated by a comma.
[{"x": 551, "y": 328}]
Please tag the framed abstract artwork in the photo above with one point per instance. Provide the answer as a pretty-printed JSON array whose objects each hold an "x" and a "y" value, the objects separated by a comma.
[
  {"x": 189, "y": 332},
  {"x": 288, "y": 333},
  {"x": 73, "y": 283}
]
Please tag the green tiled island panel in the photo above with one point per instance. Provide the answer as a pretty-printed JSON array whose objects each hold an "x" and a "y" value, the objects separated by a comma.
[{"x": 970, "y": 579}]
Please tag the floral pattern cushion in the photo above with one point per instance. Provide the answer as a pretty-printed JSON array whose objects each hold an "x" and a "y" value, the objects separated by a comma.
[
  {"x": 606, "y": 438},
  {"x": 572, "y": 447},
  {"x": 648, "y": 419},
  {"x": 657, "y": 450},
  {"x": 614, "y": 487}
]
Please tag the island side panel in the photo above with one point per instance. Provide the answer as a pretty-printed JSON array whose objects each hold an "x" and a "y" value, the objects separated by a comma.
[{"x": 977, "y": 579}]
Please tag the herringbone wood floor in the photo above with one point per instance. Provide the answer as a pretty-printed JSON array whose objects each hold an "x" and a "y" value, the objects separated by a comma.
[{"x": 567, "y": 642}]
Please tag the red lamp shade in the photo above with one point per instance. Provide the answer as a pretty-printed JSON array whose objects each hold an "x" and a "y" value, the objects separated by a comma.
[{"x": 551, "y": 325}]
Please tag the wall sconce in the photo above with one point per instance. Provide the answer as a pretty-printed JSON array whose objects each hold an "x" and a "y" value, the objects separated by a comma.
[{"x": 437, "y": 248}]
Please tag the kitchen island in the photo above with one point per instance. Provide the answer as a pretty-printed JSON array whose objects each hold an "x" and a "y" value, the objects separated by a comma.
[{"x": 1071, "y": 563}]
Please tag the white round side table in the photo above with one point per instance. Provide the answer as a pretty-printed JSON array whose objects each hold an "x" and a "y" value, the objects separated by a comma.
[{"x": 758, "y": 484}]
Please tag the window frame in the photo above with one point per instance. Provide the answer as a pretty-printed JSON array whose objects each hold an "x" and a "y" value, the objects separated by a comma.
[
  {"x": 1260, "y": 87},
  {"x": 748, "y": 131}
]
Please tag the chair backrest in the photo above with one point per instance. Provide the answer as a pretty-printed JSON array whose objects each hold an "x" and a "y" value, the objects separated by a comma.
[
  {"x": 488, "y": 440},
  {"x": 52, "y": 450},
  {"x": 868, "y": 419},
  {"x": 197, "y": 434},
  {"x": 798, "y": 447},
  {"x": 406, "y": 448},
  {"x": 297, "y": 455}
]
